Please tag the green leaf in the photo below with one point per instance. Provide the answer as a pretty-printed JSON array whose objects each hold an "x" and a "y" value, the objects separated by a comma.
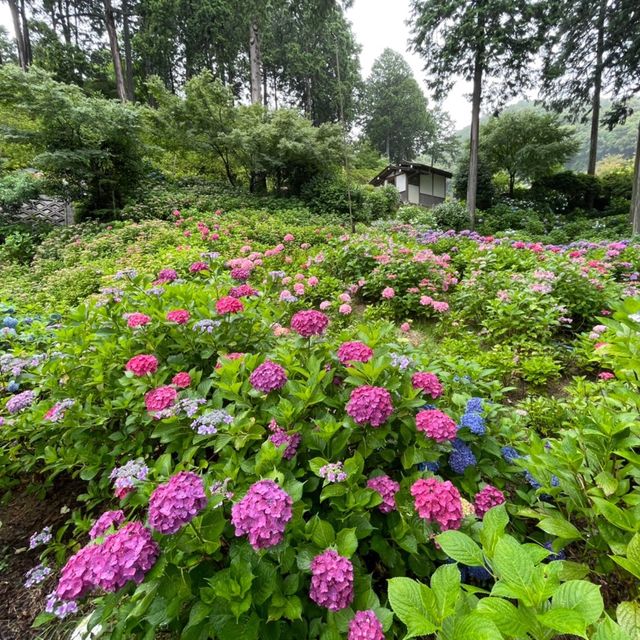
[
  {"x": 558, "y": 526},
  {"x": 564, "y": 621},
  {"x": 494, "y": 523},
  {"x": 445, "y": 584},
  {"x": 628, "y": 616},
  {"x": 580, "y": 596},
  {"x": 609, "y": 630},
  {"x": 461, "y": 548},
  {"x": 322, "y": 533},
  {"x": 514, "y": 567},
  {"x": 475, "y": 626},
  {"x": 607, "y": 482},
  {"x": 411, "y": 602},
  {"x": 615, "y": 515},
  {"x": 347, "y": 542},
  {"x": 509, "y": 619}
]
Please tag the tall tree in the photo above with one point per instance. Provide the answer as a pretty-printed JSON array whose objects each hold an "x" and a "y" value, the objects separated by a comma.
[
  {"x": 110, "y": 24},
  {"x": 576, "y": 69},
  {"x": 21, "y": 31},
  {"x": 480, "y": 40},
  {"x": 396, "y": 121},
  {"x": 527, "y": 144}
]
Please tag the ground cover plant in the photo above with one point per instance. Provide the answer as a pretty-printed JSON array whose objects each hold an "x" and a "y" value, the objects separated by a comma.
[{"x": 286, "y": 429}]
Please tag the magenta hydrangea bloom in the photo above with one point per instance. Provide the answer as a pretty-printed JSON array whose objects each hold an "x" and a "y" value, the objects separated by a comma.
[
  {"x": 428, "y": 383},
  {"x": 387, "y": 488},
  {"x": 331, "y": 581},
  {"x": 488, "y": 498},
  {"x": 354, "y": 352},
  {"x": 137, "y": 320},
  {"x": 142, "y": 364},
  {"x": 177, "y": 502},
  {"x": 309, "y": 323},
  {"x": 228, "y": 305},
  {"x": 436, "y": 425},
  {"x": 107, "y": 520},
  {"x": 196, "y": 267},
  {"x": 240, "y": 274},
  {"x": 438, "y": 501},
  {"x": 370, "y": 405},
  {"x": 262, "y": 514},
  {"x": 279, "y": 437},
  {"x": 243, "y": 291},
  {"x": 179, "y": 316},
  {"x": 125, "y": 555},
  {"x": 160, "y": 398},
  {"x": 77, "y": 577},
  {"x": 181, "y": 380},
  {"x": 268, "y": 377},
  {"x": 365, "y": 626},
  {"x": 166, "y": 275}
]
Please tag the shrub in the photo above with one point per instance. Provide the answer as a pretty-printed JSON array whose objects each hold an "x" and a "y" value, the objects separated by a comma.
[
  {"x": 16, "y": 189},
  {"x": 451, "y": 215}
]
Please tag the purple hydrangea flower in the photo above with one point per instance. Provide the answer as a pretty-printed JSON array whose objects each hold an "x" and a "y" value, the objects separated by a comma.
[
  {"x": 105, "y": 522},
  {"x": 268, "y": 377},
  {"x": 20, "y": 401},
  {"x": 332, "y": 581},
  {"x": 36, "y": 575},
  {"x": 262, "y": 514},
  {"x": 365, "y": 626},
  {"x": 333, "y": 472},
  {"x": 177, "y": 502},
  {"x": 42, "y": 537},
  {"x": 206, "y": 424}
]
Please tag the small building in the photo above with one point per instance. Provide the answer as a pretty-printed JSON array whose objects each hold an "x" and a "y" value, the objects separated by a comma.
[{"x": 417, "y": 183}]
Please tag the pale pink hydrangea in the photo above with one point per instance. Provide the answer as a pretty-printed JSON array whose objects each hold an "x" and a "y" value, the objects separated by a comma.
[
  {"x": 344, "y": 297},
  {"x": 142, "y": 365},
  {"x": 488, "y": 498},
  {"x": 370, "y": 405},
  {"x": 438, "y": 501},
  {"x": 309, "y": 323},
  {"x": 332, "y": 581},
  {"x": 324, "y": 305},
  {"x": 313, "y": 281},
  {"x": 262, "y": 514},
  {"x": 405, "y": 327},
  {"x": 387, "y": 488},
  {"x": 175, "y": 503},
  {"x": 298, "y": 289},
  {"x": 388, "y": 293},
  {"x": 436, "y": 425},
  {"x": 268, "y": 377},
  {"x": 365, "y": 626},
  {"x": 344, "y": 309},
  {"x": 428, "y": 383},
  {"x": 354, "y": 352}
]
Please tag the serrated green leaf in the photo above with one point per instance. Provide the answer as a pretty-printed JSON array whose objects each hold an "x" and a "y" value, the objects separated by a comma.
[
  {"x": 407, "y": 599},
  {"x": 461, "y": 548},
  {"x": 558, "y": 526},
  {"x": 628, "y": 616},
  {"x": 564, "y": 621},
  {"x": 445, "y": 584},
  {"x": 580, "y": 596},
  {"x": 494, "y": 524},
  {"x": 347, "y": 542},
  {"x": 508, "y": 618}
]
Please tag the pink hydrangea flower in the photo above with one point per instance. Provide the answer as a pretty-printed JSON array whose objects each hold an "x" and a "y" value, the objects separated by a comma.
[
  {"x": 279, "y": 437},
  {"x": 331, "y": 581},
  {"x": 388, "y": 293},
  {"x": 405, "y": 327},
  {"x": 298, "y": 289},
  {"x": 488, "y": 498},
  {"x": 242, "y": 291},
  {"x": 309, "y": 323},
  {"x": 437, "y": 425},
  {"x": 262, "y": 514},
  {"x": 196, "y": 267},
  {"x": 142, "y": 364},
  {"x": 370, "y": 405},
  {"x": 137, "y": 320},
  {"x": 324, "y": 305},
  {"x": 345, "y": 309},
  {"x": 107, "y": 520},
  {"x": 179, "y": 316},
  {"x": 365, "y": 626},
  {"x": 387, "y": 488},
  {"x": 312, "y": 281},
  {"x": 229, "y": 304},
  {"x": 288, "y": 238},
  {"x": 268, "y": 377},
  {"x": 354, "y": 352},
  {"x": 428, "y": 383},
  {"x": 177, "y": 502},
  {"x": 160, "y": 398},
  {"x": 606, "y": 375},
  {"x": 77, "y": 577},
  {"x": 344, "y": 297},
  {"x": 181, "y": 380},
  {"x": 438, "y": 501},
  {"x": 440, "y": 307},
  {"x": 166, "y": 275}
]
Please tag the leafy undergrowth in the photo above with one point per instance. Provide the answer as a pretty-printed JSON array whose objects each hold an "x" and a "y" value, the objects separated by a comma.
[{"x": 294, "y": 432}]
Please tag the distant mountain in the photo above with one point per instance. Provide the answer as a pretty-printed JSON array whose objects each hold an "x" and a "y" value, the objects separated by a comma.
[{"x": 621, "y": 141}]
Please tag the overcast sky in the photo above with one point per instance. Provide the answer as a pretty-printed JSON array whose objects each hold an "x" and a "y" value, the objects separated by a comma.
[{"x": 377, "y": 24}]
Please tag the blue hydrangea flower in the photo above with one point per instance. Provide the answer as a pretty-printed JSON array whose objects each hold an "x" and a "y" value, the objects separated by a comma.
[
  {"x": 510, "y": 454},
  {"x": 13, "y": 387},
  {"x": 474, "y": 422},
  {"x": 10, "y": 322},
  {"x": 561, "y": 555},
  {"x": 461, "y": 457},
  {"x": 531, "y": 480},
  {"x": 474, "y": 405},
  {"x": 479, "y": 573}
]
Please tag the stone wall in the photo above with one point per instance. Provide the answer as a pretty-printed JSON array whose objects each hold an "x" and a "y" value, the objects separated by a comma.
[{"x": 43, "y": 210}]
